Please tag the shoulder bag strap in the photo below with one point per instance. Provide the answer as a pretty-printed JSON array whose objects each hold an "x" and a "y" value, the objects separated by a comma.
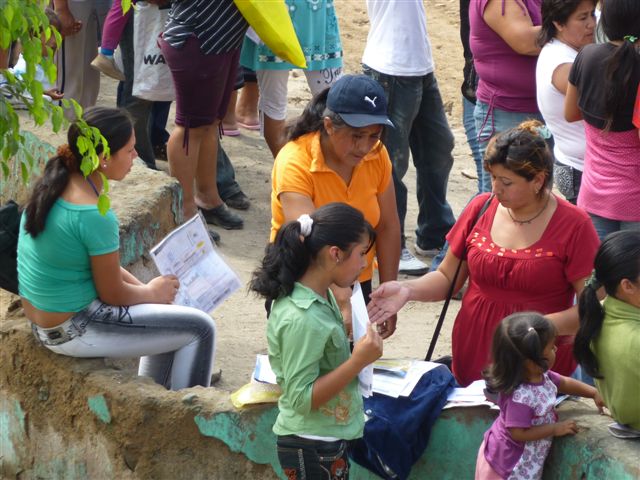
[{"x": 443, "y": 313}]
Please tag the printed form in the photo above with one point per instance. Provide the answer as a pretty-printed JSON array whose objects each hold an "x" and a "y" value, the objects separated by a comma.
[{"x": 187, "y": 252}]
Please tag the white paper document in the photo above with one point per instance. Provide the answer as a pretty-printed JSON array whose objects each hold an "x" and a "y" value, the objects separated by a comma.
[
  {"x": 262, "y": 372},
  {"x": 187, "y": 252},
  {"x": 400, "y": 381},
  {"x": 360, "y": 323}
]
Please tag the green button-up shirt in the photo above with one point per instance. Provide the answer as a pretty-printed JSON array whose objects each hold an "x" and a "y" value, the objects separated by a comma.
[
  {"x": 616, "y": 348},
  {"x": 306, "y": 341}
]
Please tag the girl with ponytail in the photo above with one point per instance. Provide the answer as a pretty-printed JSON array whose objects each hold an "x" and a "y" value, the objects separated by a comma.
[
  {"x": 523, "y": 353},
  {"x": 602, "y": 84},
  {"x": 80, "y": 301},
  {"x": 608, "y": 341},
  {"x": 320, "y": 407}
]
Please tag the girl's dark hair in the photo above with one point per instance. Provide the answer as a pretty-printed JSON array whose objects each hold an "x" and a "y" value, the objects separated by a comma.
[
  {"x": 620, "y": 19},
  {"x": 114, "y": 124},
  {"x": 312, "y": 118},
  {"x": 522, "y": 150},
  {"x": 557, "y": 11},
  {"x": 519, "y": 337},
  {"x": 289, "y": 256},
  {"x": 618, "y": 258}
]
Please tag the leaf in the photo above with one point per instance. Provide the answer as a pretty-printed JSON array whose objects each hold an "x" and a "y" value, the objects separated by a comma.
[
  {"x": 57, "y": 116},
  {"x": 76, "y": 108},
  {"x": 104, "y": 203},
  {"x": 5, "y": 168},
  {"x": 105, "y": 182}
]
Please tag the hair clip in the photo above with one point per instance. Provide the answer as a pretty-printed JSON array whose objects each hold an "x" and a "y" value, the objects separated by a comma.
[
  {"x": 593, "y": 282},
  {"x": 631, "y": 38},
  {"x": 306, "y": 223},
  {"x": 544, "y": 132}
]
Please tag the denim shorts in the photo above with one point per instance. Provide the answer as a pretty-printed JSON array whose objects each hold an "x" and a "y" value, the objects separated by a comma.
[{"x": 303, "y": 458}]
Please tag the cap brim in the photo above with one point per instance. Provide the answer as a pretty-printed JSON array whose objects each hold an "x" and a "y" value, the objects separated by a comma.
[{"x": 358, "y": 120}]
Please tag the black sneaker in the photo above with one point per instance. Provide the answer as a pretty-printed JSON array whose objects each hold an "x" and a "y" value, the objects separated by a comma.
[
  {"x": 239, "y": 201},
  {"x": 223, "y": 217},
  {"x": 214, "y": 236}
]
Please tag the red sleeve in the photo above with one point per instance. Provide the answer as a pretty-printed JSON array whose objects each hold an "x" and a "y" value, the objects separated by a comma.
[
  {"x": 636, "y": 110},
  {"x": 457, "y": 236},
  {"x": 581, "y": 250}
]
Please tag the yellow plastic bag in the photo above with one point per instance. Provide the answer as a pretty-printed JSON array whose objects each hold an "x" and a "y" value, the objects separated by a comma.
[
  {"x": 270, "y": 19},
  {"x": 255, "y": 392}
]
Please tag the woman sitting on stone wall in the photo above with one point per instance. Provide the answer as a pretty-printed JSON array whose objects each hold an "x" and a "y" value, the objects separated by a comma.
[{"x": 80, "y": 301}]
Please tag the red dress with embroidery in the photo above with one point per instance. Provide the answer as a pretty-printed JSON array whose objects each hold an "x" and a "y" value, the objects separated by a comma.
[{"x": 504, "y": 281}]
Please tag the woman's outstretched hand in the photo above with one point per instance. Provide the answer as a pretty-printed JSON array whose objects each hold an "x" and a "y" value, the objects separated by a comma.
[
  {"x": 386, "y": 300},
  {"x": 164, "y": 288}
]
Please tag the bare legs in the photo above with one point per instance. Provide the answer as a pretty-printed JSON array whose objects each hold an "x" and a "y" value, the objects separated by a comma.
[
  {"x": 247, "y": 105},
  {"x": 196, "y": 171},
  {"x": 274, "y": 133}
]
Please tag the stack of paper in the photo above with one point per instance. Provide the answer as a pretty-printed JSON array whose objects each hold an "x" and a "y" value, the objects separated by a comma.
[
  {"x": 262, "y": 372},
  {"x": 360, "y": 322},
  {"x": 471, "y": 396},
  {"x": 396, "y": 378}
]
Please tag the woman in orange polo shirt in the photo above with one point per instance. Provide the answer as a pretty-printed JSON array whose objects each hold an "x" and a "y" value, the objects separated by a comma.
[{"x": 334, "y": 154}]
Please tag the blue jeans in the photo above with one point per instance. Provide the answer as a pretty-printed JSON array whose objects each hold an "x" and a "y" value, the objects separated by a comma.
[
  {"x": 226, "y": 176},
  {"x": 416, "y": 110},
  {"x": 491, "y": 121},
  {"x": 605, "y": 226},
  {"x": 484, "y": 180},
  {"x": 176, "y": 343}
]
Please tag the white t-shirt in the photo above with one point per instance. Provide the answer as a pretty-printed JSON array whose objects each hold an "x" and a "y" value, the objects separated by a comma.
[
  {"x": 398, "y": 43},
  {"x": 569, "y": 138}
]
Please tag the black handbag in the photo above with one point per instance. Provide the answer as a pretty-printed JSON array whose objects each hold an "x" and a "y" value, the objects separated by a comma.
[
  {"x": 443, "y": 313},
  {"x": 9, "y": 230}
]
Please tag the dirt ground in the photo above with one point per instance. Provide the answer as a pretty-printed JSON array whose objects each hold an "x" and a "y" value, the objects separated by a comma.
[{"x": 241, "y": 320}]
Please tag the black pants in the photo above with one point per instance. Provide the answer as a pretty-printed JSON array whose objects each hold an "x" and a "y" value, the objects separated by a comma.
[{"x": 302, "y": 458}]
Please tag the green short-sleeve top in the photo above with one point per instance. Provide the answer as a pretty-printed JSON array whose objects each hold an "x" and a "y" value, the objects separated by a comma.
[{"x": 54, "y": 268}]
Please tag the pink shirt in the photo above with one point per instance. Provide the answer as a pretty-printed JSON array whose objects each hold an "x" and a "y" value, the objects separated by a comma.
[
  {"x": 507, "y": 79},
  {"x": 610, "y": 187}
]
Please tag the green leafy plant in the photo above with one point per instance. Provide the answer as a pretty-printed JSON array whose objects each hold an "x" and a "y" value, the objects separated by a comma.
[{"x": 25, "y": 22}]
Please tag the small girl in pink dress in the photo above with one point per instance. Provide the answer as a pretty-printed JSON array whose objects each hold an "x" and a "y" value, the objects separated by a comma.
[{"x": 516, "y": 445}]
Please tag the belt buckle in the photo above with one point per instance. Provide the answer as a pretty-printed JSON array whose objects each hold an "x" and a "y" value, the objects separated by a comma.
[{"x": 56, "y": 336}]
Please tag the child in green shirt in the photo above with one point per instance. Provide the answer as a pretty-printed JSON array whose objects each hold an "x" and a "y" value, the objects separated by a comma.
[
  {"x": 320, "y": 407},
  {"x": 608, "y": 341}
]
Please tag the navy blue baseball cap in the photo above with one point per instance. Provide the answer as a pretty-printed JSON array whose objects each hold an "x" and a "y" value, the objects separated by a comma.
[{"x": 359, "y": 100}]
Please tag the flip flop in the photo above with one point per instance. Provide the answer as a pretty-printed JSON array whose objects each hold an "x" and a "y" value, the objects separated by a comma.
[
  {"x": 230, "y": 132},
  {"x": 249, "y": 126}
]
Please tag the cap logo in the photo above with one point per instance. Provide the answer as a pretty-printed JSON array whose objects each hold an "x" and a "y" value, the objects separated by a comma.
[{"x": 372, "y": 102}]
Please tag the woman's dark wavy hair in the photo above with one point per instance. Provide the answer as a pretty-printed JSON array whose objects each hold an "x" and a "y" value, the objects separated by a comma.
[
  {"x": 557, "y": 11},
  {"x": 114, "y": 124},
  {"x": 618, "y": 258},
  {"x": 620, "y": 18},
  {"x": 289, "y": 256},
  {"x": 519, "y": 337},
  {"x": 523, "y": 151}
]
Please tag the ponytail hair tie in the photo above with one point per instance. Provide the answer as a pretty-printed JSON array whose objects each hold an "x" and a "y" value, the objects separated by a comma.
[
  {"x": 593, "y": 281},
  {"x": 631, "y": 38},
  {"x": 67, "y": 156},
  {"x": 306, "y": 224},
  {"x": 531, "y": 328}
]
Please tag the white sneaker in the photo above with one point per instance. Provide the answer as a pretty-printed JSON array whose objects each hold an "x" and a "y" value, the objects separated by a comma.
[
  {"x": 410, "y": 265},
  {"x": 431, "y": 252}
]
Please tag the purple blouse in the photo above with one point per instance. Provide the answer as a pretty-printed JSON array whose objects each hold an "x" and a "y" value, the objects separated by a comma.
[
  {"x": 529, "y": 405},
  {"x": 507, "y": 79}
]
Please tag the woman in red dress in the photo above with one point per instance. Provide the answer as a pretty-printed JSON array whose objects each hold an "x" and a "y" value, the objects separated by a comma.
[{"x": 529, "y": 251}]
